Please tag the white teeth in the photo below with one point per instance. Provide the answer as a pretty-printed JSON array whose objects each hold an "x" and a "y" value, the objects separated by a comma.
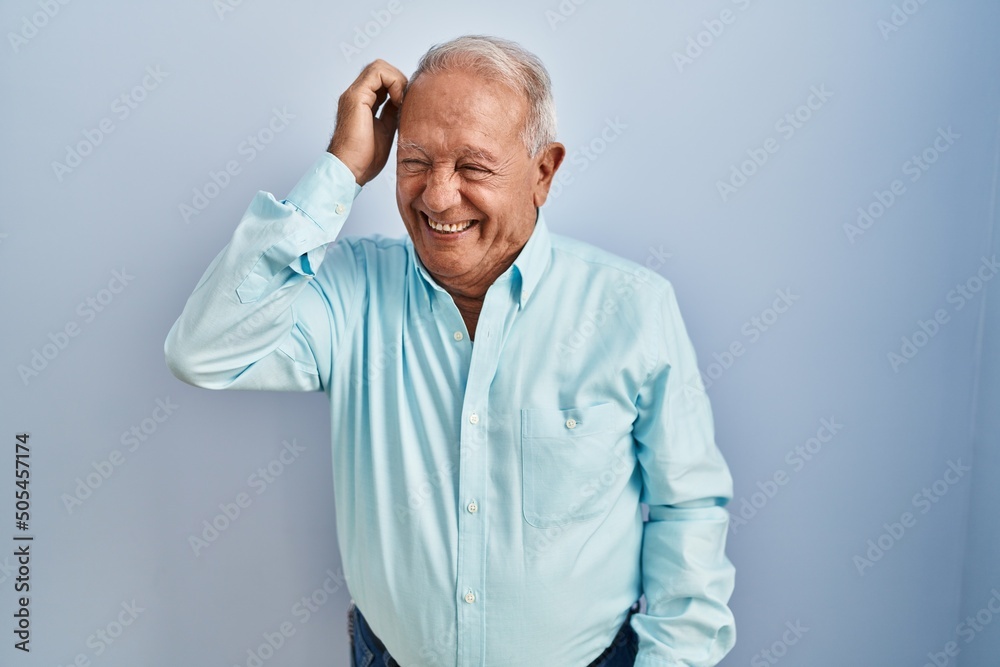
[{"x": 449, "y": 229}]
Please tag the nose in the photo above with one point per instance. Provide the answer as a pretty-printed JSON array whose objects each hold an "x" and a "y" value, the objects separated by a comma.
[{"x": 441, "y": 190}]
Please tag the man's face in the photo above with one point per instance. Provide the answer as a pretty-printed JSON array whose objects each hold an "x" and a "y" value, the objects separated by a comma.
[{"x": 460, "y": 159}]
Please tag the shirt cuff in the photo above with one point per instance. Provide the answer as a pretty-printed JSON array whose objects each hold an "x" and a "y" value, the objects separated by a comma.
[
  {"x": 326, "y": 192},
  {"x": 323, "y": 196}
]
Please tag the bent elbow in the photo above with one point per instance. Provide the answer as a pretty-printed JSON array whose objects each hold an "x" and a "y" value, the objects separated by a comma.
[
  {"x": 182, "y": 364},
  {"x": 178, "y": 364}
]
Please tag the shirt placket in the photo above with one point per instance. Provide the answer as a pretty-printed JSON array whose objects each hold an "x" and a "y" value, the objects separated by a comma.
[{"x": 473, "y": 479}]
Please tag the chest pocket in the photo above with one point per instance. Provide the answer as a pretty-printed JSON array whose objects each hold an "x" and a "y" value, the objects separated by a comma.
[{"x": 567, "y": 457}]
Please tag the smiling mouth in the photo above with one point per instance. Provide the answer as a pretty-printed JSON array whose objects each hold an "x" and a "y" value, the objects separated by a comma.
[{"x": 442, "y": 228}]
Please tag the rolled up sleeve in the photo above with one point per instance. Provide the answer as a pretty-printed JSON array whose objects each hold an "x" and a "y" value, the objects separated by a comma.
[
  {"x": 257, "y": 319},
  {"x": 686, "y": 575}
]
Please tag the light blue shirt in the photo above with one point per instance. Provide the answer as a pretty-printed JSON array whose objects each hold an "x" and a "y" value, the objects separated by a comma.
[{"x": 488, "y": 493}]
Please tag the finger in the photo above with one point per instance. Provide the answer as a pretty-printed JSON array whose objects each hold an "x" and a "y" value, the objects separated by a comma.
[
  {"x": 396, "y": 83},
  {"x": 388, "y": 119},
  {"x": 380, "y": 74},
  {"x": 380, "y": 97}
]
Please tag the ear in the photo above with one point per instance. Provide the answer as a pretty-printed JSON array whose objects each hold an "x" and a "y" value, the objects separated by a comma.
[{"x": 546, "y": 164}]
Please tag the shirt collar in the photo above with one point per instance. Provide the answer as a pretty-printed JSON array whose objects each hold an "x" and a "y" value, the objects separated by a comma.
[
  {"x": 534, "y": 258},
  {"x": 529, "y": 265}
]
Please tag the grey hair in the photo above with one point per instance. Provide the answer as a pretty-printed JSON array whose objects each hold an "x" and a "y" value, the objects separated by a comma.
[{"x": 508, "y": 63}]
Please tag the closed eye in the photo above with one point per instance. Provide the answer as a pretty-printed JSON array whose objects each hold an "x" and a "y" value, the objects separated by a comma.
[
  {"x": 414, "y": 165},
  {"x": 475, "y": 171}
]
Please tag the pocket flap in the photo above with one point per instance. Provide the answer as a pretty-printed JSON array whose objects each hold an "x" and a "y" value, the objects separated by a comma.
[{"x": 548, "y": 423}]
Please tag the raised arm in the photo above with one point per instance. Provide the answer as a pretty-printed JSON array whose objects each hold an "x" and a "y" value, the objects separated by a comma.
[{"x": 258, "y": 319}]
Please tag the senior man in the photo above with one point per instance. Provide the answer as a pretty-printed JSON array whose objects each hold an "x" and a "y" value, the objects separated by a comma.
[{"x": 502, "y": 398}]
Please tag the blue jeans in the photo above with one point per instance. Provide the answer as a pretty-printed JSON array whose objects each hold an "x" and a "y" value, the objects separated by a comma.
[{"x": 367, "y": 650}]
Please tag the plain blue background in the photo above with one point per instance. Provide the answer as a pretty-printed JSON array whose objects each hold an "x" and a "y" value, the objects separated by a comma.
[{"x": 647, "y": 189}]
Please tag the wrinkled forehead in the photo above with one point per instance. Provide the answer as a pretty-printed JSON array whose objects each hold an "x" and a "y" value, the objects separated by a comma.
[{"x": 460, "y": 104}]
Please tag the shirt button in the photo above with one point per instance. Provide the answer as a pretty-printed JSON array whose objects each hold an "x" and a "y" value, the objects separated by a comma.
[
  {"x": 473, "y": 418},
  {"x": 339, "y": 209},
  {"x": 473, "y": 507},
  {"x": 458, "y": 335},
  {"x": 570, "y": 423},
  {"x": 470, "y": 597}
]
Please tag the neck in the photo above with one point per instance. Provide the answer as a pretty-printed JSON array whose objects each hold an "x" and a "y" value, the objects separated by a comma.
[
  {"x": 469, "y": 292},
  {"x": 469, "y": 297}
]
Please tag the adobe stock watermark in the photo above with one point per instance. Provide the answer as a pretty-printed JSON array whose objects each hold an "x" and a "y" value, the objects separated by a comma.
[
  {"x": 247, "y": 150},
  {"x": 422, "y": 492},
  {"x": 796, "y": 459},
  {"x": 389, "y": 354},
  {"x": 584, "y": 156},
  {"x": 231, "y": 511},
  {"x": 265, "y": 316},
  {"x": 7, "y": 569},
  {"x": 107, "y": 635},
  {"x": 713, "y": 29},
  {"x": 225, "y": 7},
  {"x": 435, "y": 648},
  {"x": 121, "y": 108},
  {"x": 595, "y": 318},
  {"x": 786, "y": 127},
  {"x": 773, "y": 654},
  {"x": 419, "y": 494},
  {"x": 752, "y": 330},
  {"x": 33, "y": 24},
  {"x": 543, "y": 538},
  {"x": 561, "y": 12},
  {"x": 302, "y": 611},
  {"x": 87, "y": 310},
  {"x": 911, "y": 345},
  {"x": 131, "y": 440},
  {"x": 924, "y": 501},
  {"x": 366, "y": 32},
  {"x": 967, "y": 630},
  {"x": 898, "y": 17},
  {"x": 914, "y": 167}
]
